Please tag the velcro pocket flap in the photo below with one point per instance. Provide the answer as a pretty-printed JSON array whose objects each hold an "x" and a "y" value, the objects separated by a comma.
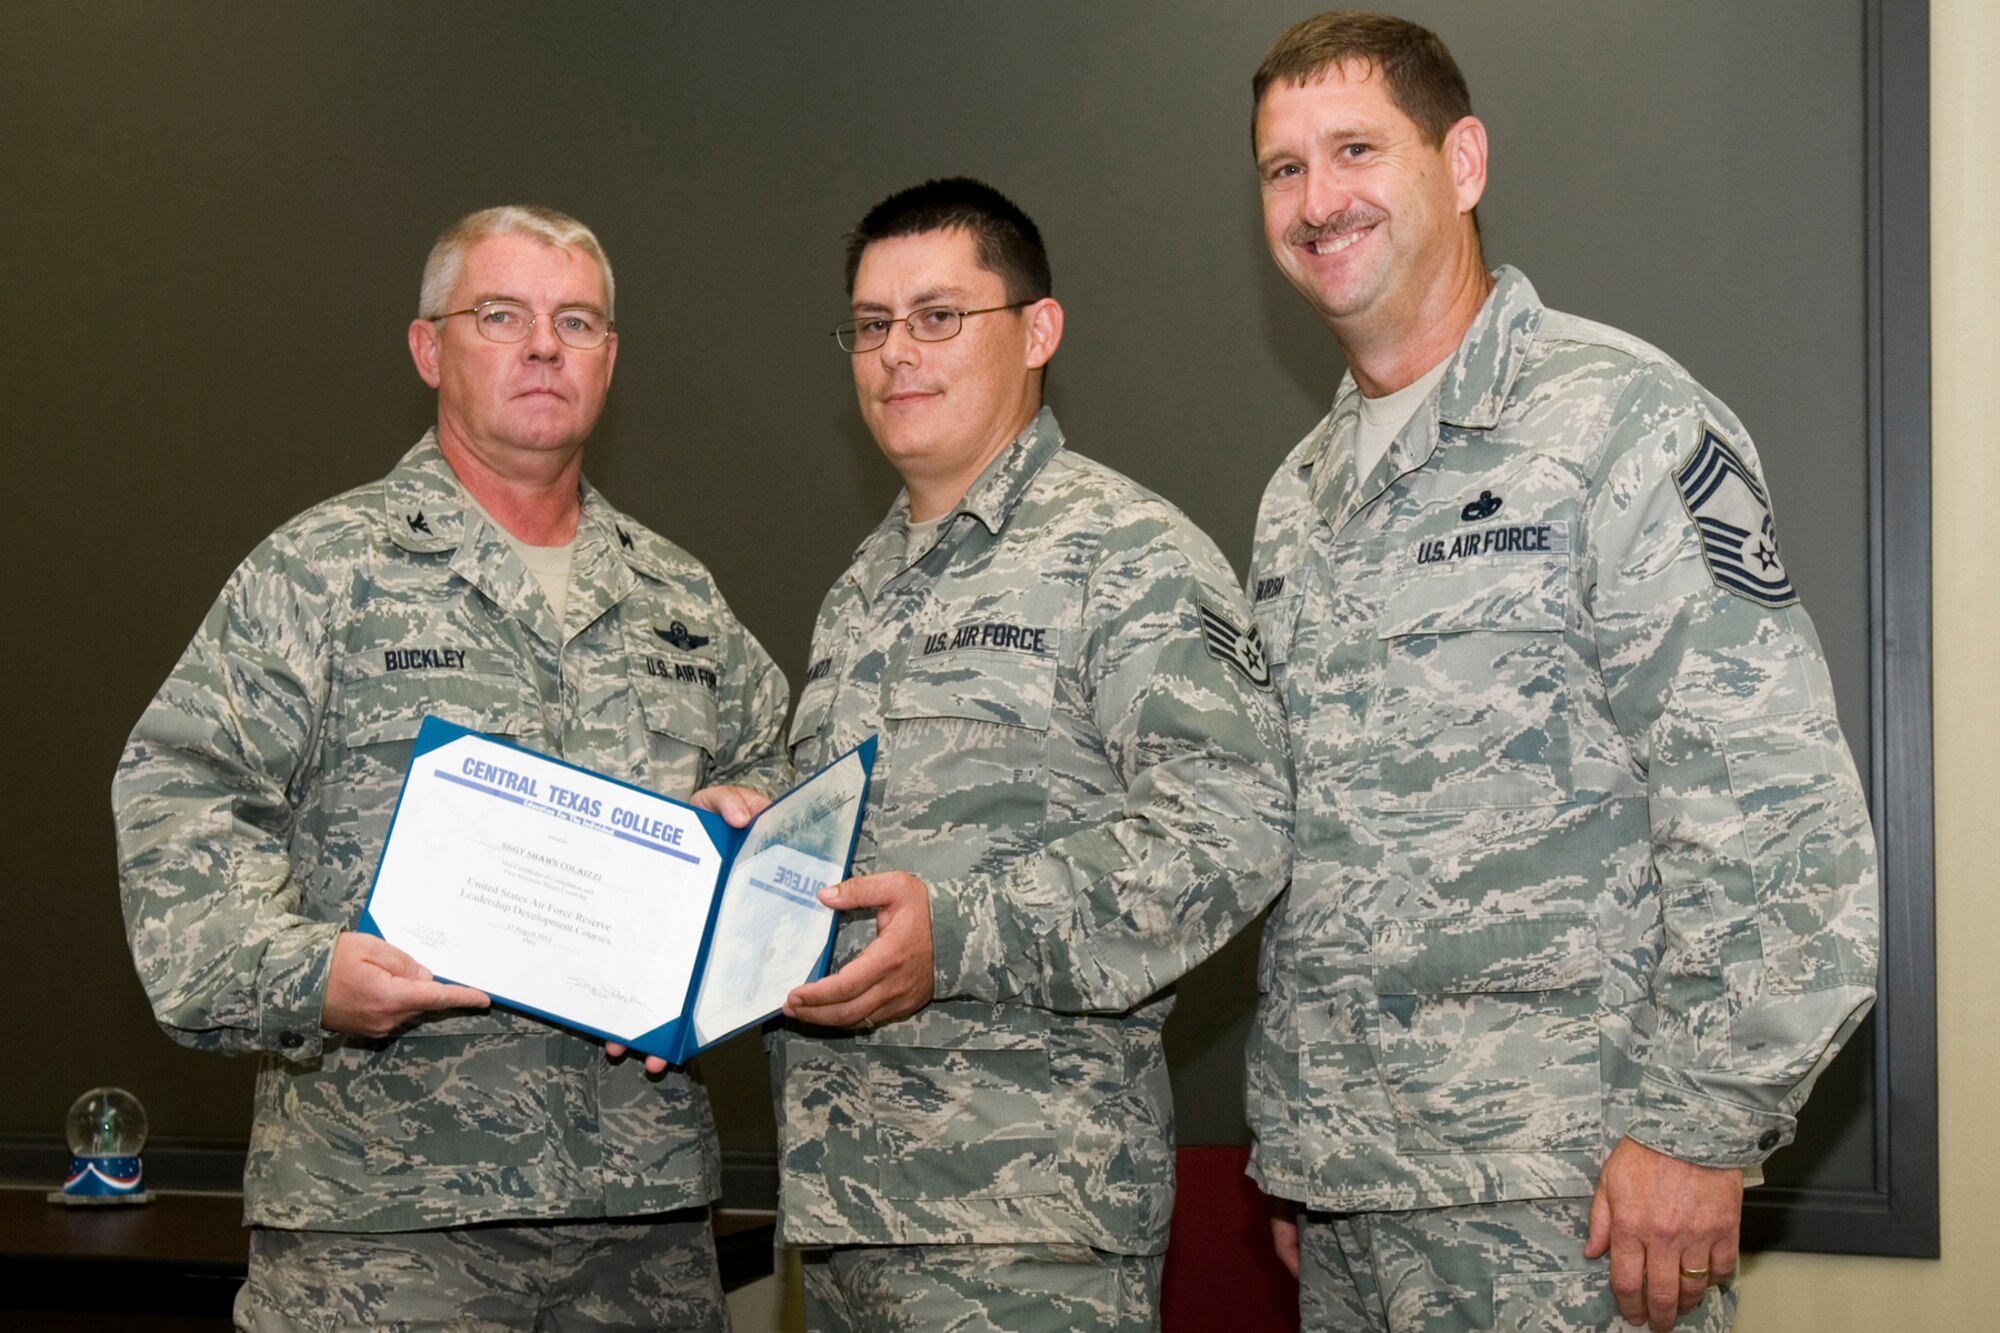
[
  {"x": 1478, "y": 954},
  {"x": 1519, "y": 593},
  {"x": 1012, "y": 689}
]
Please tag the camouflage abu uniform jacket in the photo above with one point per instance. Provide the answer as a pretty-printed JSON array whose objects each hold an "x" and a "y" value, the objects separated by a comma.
[
  {"x": 1580, "y": 851},
  {"x": 1097, "y": 797},
  {"x": 254, "y": 795}
]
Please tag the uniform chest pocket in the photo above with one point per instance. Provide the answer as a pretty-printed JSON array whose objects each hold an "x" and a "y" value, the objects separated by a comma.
[
  {"x": 679, "y": 722},
  {"x": 369, "y": 753},
  {"x": 967, "y": 756},
  {"x": 1472, "y": 706},
  {"x": 387, "y": 709}
]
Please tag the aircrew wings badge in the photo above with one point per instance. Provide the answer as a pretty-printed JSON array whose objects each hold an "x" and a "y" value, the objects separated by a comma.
[
  {"x": 677, "y": 634},
  {"x": 1240, "y": 648},
  {"x": 1733, "y": 515}
]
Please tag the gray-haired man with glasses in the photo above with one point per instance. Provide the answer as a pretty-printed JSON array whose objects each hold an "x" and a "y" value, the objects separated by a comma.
[
  {"x": 419, "y": 1159},
  {"x": 1081, "y": 792}
]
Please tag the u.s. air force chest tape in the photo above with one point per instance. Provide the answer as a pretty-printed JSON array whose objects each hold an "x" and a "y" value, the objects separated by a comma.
[
  {"x": 1729, "y": 508},
  {"x": 1497, "y": 540},
  {"x": 999, "y": 635}
]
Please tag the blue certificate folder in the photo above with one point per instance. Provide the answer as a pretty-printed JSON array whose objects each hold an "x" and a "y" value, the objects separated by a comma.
[{"x": 603, "y": 907}]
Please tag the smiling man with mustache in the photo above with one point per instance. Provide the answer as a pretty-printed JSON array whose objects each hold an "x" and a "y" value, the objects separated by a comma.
[
  {"x": 418, "y": 1159},
  {"x": 1081, "y": 792},
  {"x": 1585, "y": 894}
]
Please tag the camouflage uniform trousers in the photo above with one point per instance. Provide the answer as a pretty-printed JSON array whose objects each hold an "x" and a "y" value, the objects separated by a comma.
[
  {"x": 980, "y": 1289},
  {"x": 1508, "y": 1267},
  {"x": 549, "y": 1277}
]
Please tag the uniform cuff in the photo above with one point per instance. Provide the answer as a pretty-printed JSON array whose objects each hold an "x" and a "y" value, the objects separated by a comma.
[
  {"x": 958, "y": 910},
  {"x": 291, "y": 990},
  {"x": 1704, "y": 1130}
]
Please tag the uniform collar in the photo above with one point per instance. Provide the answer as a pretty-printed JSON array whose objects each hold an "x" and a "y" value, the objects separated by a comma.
[
  {"x": 991, "y": 499},
  {"x": 1471, "y": 396},
  {"x": 997, "y": 492},
  {"x": 427, "y": 512}
]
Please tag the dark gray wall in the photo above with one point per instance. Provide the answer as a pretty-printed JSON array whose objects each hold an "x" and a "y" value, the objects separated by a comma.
[{"x": 212, "y": 219}]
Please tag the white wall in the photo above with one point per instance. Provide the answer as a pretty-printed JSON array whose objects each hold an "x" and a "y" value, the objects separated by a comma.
[{"x": 1833, "y": 1295}]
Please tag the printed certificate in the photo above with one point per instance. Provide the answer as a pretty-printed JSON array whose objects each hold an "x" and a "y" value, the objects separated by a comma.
[{"x": 600, "y": 906}]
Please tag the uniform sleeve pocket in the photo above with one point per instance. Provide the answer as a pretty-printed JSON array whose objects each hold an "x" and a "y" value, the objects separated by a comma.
[
  {"x": 1809, "y": 844},
  {"x": 807, "y": 736},
  {"x": 1277, "y": 621},
  {"x": 1487, "y": 1031}
]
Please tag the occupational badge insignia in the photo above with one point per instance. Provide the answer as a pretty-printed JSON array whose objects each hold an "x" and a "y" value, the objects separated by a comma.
[{"x": 677, "y": 635}]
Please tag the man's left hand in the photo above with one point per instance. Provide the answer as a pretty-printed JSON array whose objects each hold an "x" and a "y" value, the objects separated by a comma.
[
  {"x": 890, "y": 979},
  {"x": 1671, "y": 1227},
  {"x": 737, "y": 806}
]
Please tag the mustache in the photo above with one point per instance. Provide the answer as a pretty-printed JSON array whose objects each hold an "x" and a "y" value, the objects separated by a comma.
[{"x": 1349, "y": 219}]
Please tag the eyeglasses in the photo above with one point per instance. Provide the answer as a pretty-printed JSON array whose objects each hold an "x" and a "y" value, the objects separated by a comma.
[
  {"x": 509, "y": 322},
  {"x": 932, "y": 324}
]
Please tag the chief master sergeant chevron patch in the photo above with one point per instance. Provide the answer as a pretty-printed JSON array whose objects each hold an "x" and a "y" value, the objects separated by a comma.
[{"x": 1731, "y": 511}]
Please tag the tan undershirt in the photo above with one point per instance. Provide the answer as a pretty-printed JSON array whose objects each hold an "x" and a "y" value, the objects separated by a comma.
[
  {"x": 1383, "y": 419},
  {"x": 549, "y": 564},
  {"x": 921, "y": 537}
]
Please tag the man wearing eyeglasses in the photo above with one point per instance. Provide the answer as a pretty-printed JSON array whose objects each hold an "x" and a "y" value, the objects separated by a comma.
[
  {"x": 1081, "y": 792},
  {"x": 417, "y": 1156}
]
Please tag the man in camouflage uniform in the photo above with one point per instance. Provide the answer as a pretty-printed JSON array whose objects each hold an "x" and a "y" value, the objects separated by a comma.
[
  {"x": 485, "y": 582},
  {"x": 1585, "y": 891},
  {"x": 1081, "y": 792}
]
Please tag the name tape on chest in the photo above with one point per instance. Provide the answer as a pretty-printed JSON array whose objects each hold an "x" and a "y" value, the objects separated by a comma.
[
  {"x": 423, "y": 659},
  {"x": 1499, "y": 539},
  {"x": 1733, "y": 515}
]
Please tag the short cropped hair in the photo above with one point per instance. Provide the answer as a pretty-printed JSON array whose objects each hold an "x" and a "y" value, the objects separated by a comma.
[
  {"x": 1005, "y": 240},
  {"x": 447, "y": 257},
  {"x": 1424, "y": 81}
]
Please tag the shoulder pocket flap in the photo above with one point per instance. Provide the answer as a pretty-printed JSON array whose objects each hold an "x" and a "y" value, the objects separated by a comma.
[
  {"x": 681, "y": 710},
  {"x": 1468, "y": 955},
  {"x": 809, "y": 718},
  {"x": 1013, "y": 689},
  {"x": 1518, "y": 593},
  {"x": 382, "y": 708},
  {"x": 1277, "y": 621}
]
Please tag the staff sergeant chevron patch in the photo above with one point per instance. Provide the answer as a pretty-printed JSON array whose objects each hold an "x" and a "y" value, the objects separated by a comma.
[
  {"x": 1240, "y": 648},
  {"x": 1733, "y": 514}
]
